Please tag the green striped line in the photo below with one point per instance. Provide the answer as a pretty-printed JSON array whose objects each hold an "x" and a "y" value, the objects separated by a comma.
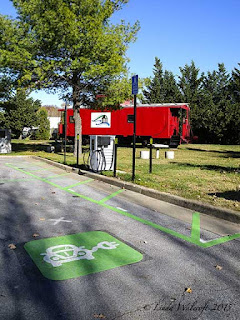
[
  {"x": 57, "y": 176},
  {"x": 110, "y": 196},
  {"x": 15, "y": 180},
  {"x": 36, "y": 170},
  {"x": 195, "y": 232},
  {"x": 78, "y": 183}
]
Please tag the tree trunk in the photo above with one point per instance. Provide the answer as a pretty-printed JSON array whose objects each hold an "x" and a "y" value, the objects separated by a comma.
[
  {"x": 78, "y": 121},
  {"x": 78, "y": 130}
]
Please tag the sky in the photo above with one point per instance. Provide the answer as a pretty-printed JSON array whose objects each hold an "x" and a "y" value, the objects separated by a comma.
[{"x": 177, "y": 32}]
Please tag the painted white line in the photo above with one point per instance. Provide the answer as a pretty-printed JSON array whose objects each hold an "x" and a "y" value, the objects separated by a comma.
[
  {"x": 205, "y": 241},
  {"x": 59, "y": 220},
  {"x": 121, "y": 209}
]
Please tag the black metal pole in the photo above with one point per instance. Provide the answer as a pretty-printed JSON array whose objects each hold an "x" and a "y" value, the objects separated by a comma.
[
  {"x": 115, "y": 157},
  {"x": 65, "y": 133},
  {"x": 150, "y": 164},
  {"x": 77, "y": 150},
  {"x": 134, "y": 138}
]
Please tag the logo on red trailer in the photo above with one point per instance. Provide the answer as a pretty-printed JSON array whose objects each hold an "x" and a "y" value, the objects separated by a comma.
[{"x": 101, "y": 119}]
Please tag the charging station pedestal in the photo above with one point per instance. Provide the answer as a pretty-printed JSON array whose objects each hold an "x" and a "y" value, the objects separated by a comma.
[
  {"x": 5, "y": 141},
  {"x": 101, "y": 153}
]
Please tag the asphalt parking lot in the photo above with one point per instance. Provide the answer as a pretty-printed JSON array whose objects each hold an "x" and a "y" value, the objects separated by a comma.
[{"x": 76, "y": 248}]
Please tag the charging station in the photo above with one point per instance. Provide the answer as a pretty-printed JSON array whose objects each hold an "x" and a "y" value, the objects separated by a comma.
[
  {"x": 5, "y": 141},
  {"x": 101, "y": 153}
]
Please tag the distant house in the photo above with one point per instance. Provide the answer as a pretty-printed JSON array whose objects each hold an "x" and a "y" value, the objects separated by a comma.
[{"x": 54, "y": 118}]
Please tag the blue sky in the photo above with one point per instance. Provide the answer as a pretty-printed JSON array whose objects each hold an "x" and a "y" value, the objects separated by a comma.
[{"x": 205, "y": 31}]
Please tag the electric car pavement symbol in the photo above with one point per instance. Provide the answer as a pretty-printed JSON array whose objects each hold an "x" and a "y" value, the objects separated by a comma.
[
  {"x": 57, "y": 255},
  {"x": 80, "y": 254}
]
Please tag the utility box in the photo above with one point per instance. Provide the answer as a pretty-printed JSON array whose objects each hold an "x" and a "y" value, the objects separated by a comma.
[
  {"x": 5, "y": 141},
  {"x": 101, "y": 153}
]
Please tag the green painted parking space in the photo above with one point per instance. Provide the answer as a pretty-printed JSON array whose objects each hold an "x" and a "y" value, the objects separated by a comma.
[
  {"x": 80, "y": 254},
  {"x": 193, "y": 238}
]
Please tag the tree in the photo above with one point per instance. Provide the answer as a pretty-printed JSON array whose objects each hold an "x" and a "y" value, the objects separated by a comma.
[
  {"x": 190, "y": 84},
  {"x": 235, "y": 84},
  {"x": 15, "y": 54},
  {"x": 220, "y": 119},
  {"x": 73, "y": 47},
  {"x": 235, "y": 111},
  {"x": 162, "y": 87},
  {"x": 43, "y": 123},
  {"x": 2, "y": 118},
  {"x": 118, "y": 91},
  {"x": 154, "y": 87},
  {"x": 19, "y": 112}
]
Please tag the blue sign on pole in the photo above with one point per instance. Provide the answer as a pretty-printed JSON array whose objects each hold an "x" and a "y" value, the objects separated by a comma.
[{"x": 135, "y": 84}]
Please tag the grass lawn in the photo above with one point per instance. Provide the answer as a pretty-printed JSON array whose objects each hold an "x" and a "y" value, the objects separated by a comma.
[{"x": 208, "y": 173}]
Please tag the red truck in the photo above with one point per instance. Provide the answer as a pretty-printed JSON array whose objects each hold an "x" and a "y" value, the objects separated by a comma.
[{"x": 165, "y": 123}]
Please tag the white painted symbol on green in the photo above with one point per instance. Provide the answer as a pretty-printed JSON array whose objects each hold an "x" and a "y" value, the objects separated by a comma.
[
  {"x": 59, "y": 220},
  {"x": 57, "y": 255}
]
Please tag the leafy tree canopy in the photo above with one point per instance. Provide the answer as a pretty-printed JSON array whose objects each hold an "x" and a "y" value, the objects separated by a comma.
[
  {"x": 66, "y": 46},
  {"x": 70, "y": 46}
]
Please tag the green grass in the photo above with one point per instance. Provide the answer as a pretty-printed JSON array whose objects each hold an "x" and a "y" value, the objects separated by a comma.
[{"x": 208, "y": 173}]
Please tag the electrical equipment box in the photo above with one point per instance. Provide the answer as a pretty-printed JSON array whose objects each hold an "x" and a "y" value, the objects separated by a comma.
[
  {"x": 5, "y": 141},
  {"x": 101, "y": 153}
]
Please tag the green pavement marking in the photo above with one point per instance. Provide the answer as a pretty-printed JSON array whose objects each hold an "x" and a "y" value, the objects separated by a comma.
[
  {"x": 57, "y": 176},
  {"x": 195, "y": 233},
  {"x": 110, "y": 196},
  {"x": 15, "y": 180},
  {"x": 78, "y": 183},
  {"x": 76, "y": 255},
  {"x": 42, "y": 169}
]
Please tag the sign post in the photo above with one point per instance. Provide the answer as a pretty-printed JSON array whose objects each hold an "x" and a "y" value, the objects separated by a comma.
[
  {"x": 150, "y": 163},
  {"x": 65, "y": 132},
  {"x": 78, "y": 150},
  {"x": 134, "y": 92}
]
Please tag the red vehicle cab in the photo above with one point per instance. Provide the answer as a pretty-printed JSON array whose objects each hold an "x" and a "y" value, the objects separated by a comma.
[{"x": 165, "y": 123}]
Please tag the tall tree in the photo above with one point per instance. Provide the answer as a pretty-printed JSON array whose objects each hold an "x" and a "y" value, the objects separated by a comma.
[
  {"x": 74, "y": 48},
  {"x": 162, "y": 87},
  {"x": 154, "y": 86},
  {"x": 190, "y": 83},
  {"x": 19, "y": 112},
  {"x": 236, "y": 83},
  {"x": 220, "y": 118},
  {"x": 43, "y": 124}
]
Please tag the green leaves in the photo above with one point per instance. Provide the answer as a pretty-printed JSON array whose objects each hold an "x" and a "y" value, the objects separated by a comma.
[
  {"x": 71, "y": 45},
  {"x": 162, "y": 87},
  {"x": 214, "y": 99},
  {"x": 43, "y": 123},
  {"x": 19, "y": 112}
]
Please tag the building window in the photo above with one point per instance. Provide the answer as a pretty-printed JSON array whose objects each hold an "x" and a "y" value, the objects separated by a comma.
[{"x": 130, "y": 118}]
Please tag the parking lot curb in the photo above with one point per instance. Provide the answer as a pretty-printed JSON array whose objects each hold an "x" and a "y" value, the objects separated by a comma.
[{"x": 194, "y": 205}]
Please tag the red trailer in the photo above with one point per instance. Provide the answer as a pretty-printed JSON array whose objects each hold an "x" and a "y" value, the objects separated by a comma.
[{"x": 165, "y": 123}]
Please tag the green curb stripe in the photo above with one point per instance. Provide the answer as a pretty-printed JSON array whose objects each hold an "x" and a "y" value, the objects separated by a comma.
[
  {"x": 78, "y": 183},
  {"x": 195, "y": 232},
  {"x": 110, "y": 196}
]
